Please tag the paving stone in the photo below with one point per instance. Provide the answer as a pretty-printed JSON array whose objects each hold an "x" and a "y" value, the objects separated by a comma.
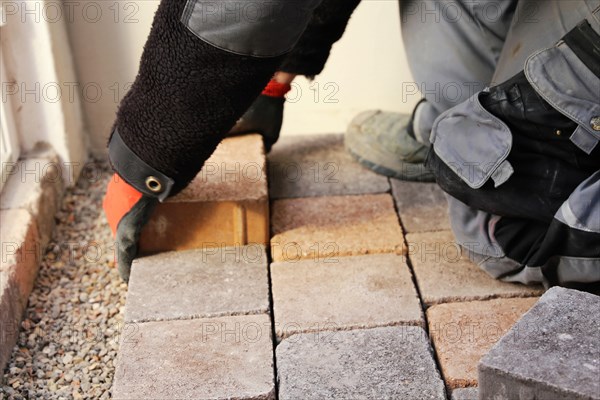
[
  {"x": 388, "y": 362},
  {"x": 318, "y": 165},
  {"x": 225, "y": 205},
  {"x": 214, "y": 358},
  {"x": 328, "y": 227},
  {"x": 20, "y": 259},
  {"x": 463, "y": 332},
  {"x": 422, "y": 206},
  {"x": 363, "y": 291},
  {"x": 199, "y": 283},
  {"x": 553, "y": 352},
  {"x": 445, "y": 274},
  {"x": 471, "y": 393},
  {"x": 36, "y": 186}
]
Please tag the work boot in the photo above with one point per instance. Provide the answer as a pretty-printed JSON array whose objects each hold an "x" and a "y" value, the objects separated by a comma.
[{"x": 385, "y": 143}]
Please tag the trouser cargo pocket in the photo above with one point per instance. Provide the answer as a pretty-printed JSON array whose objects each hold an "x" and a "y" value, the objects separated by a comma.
[{"x": 520, "y": 149}]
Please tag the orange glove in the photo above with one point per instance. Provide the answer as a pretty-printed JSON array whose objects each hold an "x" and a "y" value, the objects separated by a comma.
[{"x": 127, "y": 211}]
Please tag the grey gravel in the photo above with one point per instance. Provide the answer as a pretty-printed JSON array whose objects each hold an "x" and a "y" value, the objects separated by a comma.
[{"x": 70, "y": 333}]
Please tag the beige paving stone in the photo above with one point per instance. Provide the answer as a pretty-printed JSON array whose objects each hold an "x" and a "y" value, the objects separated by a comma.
[
  {"x": 422, "y": 206},
  {"x": 445, "y": 274},
  {"x": 318, "y": 165},
  {"x": 213, "y": 358},
  {"x": 352, "y": 292},
  {"x": 225, "y": 205},
  {"x": 329, "y": 227},
  {"x": 463, "y": 332},
  {"x": 198, "y": 283}
]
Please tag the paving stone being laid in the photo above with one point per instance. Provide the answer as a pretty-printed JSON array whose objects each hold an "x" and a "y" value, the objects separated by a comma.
[
  {"x": 463, "y": 332},
  {"x": 422, "y": 206},
  {"x": 318, "y": 165},
  {"x": 388, "y": 362},
  {"x": 471, "y": 393},
  {"x": 215, "y": 358},
  {"x": 198, "y": 283},
  {"x": 445, "y": 274},
  {"x": 330, "y": 227},
  {"x": 363, "y": 291},
  {"x": 225, "y": 205},
  {"x": 553, "y": 352}
]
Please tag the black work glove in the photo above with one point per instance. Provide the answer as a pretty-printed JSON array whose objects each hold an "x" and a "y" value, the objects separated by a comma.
[{"x": 265, "y": 115}]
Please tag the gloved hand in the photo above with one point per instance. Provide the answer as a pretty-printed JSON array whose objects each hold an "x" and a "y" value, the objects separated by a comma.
[
  {"x": 127, "y": 211},
  {"x": 265, "y": 115}
]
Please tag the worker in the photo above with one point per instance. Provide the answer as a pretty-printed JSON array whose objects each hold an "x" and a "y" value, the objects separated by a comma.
[{"x": 518, "y": 158}]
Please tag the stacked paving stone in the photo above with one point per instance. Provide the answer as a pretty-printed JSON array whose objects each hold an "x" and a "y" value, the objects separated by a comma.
[
  {"x": 346, "y": 311},
  {"x": 356, "y": 304}
]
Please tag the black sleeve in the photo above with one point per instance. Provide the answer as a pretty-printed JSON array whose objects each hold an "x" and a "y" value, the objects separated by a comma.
[
  {"x": 326, "y": 27},
  {"x": 186, "y": 96}
]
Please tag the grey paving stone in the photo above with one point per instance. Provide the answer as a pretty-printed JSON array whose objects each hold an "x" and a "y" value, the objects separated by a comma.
[
  {"x": 198, "y": 283},
  {"x": 422, "y": 206},
  {"x": 343, "y": 293},
  {"x": 471, "y": 393},
  {"x": 318, "y": 165},
  {"x": 553, "y": 352},
  {"x": 215, "y": 358},
  {"x": 389, "y": 362}
]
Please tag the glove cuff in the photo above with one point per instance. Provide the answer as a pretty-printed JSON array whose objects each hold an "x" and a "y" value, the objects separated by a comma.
[
  {"x": 276, "y": 89},
  {"x": 136, "y": 172}
]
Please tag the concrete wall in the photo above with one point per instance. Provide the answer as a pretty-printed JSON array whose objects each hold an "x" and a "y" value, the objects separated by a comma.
[{"x": 366, "y": 69}]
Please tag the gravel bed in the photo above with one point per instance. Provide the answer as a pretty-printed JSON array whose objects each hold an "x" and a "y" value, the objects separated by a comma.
[{"x": 70, "y": 333}]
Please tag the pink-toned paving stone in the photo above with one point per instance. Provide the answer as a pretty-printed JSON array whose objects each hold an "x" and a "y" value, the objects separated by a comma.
[
  {"x": 343, "y": 293},
  {"x": 445, "y": 274},
  {"x": 422, "y": 206},
  {"x": 212, "y": 358},
  {"x": 463, "y": 332},
  {"x": 322, "y": 227},
  {"x": 21, "y": 256}
]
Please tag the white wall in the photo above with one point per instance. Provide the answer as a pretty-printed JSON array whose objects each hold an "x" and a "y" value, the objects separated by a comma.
[
  {"x": 39, "y": 73},
  {"x": 366, "y": 68},
  {"x": 367, "y": 65}
]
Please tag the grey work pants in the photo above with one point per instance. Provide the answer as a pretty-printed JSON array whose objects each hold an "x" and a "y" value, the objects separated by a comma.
[{"x": 458, "y": 48}]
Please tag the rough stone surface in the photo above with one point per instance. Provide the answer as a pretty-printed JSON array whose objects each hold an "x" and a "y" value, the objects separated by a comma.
[
  {"x": 199, "y": 283},
  {"x": 388, "y": 362},
  {"x": 471, "y": 393},
  {"x": 318, "y": 165},
  {"x": 463, "y": 332},
  {"x": 214, "y": 358},
  {"x": 225, "y": 205},
  {"x": 236, "y": 171},
  {"x": 36, "y": 186},
  {"x": 422, "y": 206},
  {"x": 19, "y": 264},
  {"x": 328, "y": 227},
  {"x": 348, "y": 292},
  {"x": 553, "y": 352},
  {"x": 445, "y": 274}
]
